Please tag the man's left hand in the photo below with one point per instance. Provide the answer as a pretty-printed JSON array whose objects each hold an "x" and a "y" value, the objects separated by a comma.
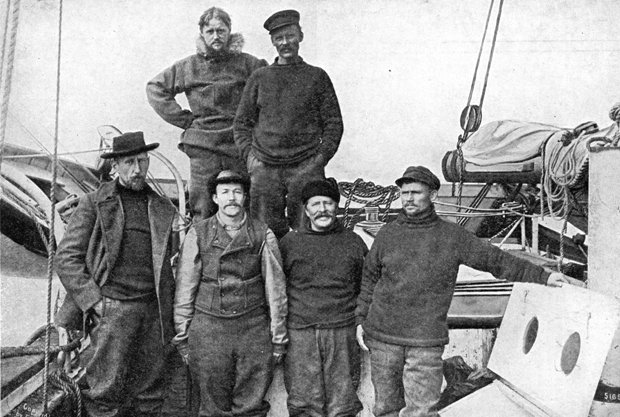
[{"x": 557, "y": 279}]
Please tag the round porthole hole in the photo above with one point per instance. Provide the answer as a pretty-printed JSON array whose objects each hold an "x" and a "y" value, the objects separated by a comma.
[
  {"x": 570, "y": 353},
  {"x": 531, "y": 332}
]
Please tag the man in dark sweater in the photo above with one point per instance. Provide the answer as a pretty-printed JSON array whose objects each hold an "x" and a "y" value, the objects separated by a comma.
[
  {"x": 407, "y": 287},
  {"x": 114, "y": 262},
  {"x": 287, "y": 128},
  {"x": 323, "y": 267}
]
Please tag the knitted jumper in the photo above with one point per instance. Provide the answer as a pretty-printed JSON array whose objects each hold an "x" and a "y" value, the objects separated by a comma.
[
  {"x": 288, "y": 113},
  {"x": 410, "y": 273},
  {"x": 132, "y": 276},
  {"x": 323, "y": 274}
]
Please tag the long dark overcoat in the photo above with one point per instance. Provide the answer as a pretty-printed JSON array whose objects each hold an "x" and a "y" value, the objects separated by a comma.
[{"x": 90, "y": 247}]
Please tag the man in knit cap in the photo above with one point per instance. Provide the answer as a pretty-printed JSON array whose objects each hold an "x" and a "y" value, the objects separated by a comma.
[
  {"x": 287, "y": 128},
  {"x": 323, "y": 266},
  {"x": 212, "y": 80},
  {"x": 407, "y": 287}
]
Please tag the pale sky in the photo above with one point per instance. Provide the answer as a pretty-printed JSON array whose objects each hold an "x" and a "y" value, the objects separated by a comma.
[{"x": 402, "y": 69}]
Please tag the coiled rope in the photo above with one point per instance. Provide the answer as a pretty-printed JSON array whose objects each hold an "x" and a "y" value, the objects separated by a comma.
[
  {"x": 70, "y": 388},
  {"x": 368, "y": 194}
]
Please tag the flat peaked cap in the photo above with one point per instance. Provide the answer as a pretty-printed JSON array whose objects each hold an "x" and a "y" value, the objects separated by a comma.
[
  {"x": 229, "y": 177},
  {"x": 419, "y": 174},
  {"x": 326, "y": 188},
  {"x": 281, "y": 19},
  {"x": 127, "y": 144}
]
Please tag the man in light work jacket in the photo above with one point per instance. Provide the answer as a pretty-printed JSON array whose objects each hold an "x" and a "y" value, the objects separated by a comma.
[
  {"x": 407, "y": 287},
  {"x": 230, "y": 305},
  {"x": 114, "y": 262},
  {"x": 287, "y": 128}
]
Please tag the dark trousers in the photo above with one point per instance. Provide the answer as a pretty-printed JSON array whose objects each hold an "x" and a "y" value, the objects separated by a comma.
[
  {"x": 205, "y": 165},
  {"x": 232, "y": 359},
  {"x": 125, "y": 361},
  {"x": 322, "y": 371},
  {"x": 277, "y": 188},
  {"x": 407, "y": 379}
]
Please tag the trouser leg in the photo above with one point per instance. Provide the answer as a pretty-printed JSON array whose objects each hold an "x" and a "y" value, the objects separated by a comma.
[
  {"x": 268, "y": 195},
  {"x": 254, "y": 366},
  {"x": 422, "y": 378},
  {"x": 341, "y": 371},
  {"x": 295, "y": 178},
  {"x": 108, "y": 358},
  {"x": 303, "y": 376},
  {"x": 211, "y": 360},
  {"x": 146, "y": 375},
  {"x": 386, "y": 373}
]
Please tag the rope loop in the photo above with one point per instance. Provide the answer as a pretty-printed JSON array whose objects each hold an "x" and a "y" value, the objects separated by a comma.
[{"x": 69, "y": 388}]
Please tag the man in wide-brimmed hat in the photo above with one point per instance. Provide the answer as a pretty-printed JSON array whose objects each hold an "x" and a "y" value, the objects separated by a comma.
[
  {"x": 230, "y": 304},
  {"x": 407, "y": 287},
  {"x": 114, "y": 262},
  {"x": 212, "y": 80}
]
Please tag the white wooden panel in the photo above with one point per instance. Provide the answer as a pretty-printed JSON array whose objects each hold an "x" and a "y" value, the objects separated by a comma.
[{"x": 543, "y": 375}]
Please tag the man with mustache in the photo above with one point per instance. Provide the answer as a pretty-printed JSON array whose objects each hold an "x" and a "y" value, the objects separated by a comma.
[
  {"x": 323, "y": 266},
  {"x": 230, "y": 304},
  {"x": 407, "y": 287},
  {"x": 114, "y": 262},
  {"x": 288, "y": 126},
  {"x": 212, "y": 80}
]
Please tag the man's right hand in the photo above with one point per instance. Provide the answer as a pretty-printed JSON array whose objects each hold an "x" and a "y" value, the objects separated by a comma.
[{"x": 359, "y": 334}]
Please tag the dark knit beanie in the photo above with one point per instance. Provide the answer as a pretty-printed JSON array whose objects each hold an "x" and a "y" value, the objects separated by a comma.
[
  {"x": 419, "y": 174},
  {"x": 327, "y": 188}
]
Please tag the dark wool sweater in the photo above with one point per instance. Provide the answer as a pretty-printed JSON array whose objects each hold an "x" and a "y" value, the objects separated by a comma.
[
  {"x": 410, "y": 274},
  {"x": 132, "y": 276},
  {"x": 323, "y": 274},
  {"x": 288, "y": 113}
]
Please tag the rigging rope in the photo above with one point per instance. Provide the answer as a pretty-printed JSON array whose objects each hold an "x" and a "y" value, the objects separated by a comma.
[
  {"x": 5, "y": 80},
  {"x": 52, "y": 242},
  {"x": 471, "y": 117}
]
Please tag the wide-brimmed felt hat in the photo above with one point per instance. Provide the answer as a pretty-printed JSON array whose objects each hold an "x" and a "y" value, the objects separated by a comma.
[
  {"x": 419, "y": 174},
  {"x": 127, "y": 144},
  {"x": 229, "y": 177},
  {"x": 281, "y": 19}
]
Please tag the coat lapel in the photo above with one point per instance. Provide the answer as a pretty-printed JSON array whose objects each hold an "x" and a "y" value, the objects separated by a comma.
[
  {"x": 112, "y": 221},
  {"x": 161, "y": 216}
]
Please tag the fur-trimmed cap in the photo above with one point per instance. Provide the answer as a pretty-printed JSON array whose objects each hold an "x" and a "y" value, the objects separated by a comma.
[{"x": 326, "y": 188}]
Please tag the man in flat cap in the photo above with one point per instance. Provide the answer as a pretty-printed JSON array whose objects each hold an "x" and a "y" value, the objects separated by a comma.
[
  {"x": 287, "y": 128},
  {"x": 230, "y": 304},
  {"x": 114, "y": 262},
  {"x": 323, "y": 266},
  {"x": 212, "y": 79},
  {"x": 407, "y": 287}
]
